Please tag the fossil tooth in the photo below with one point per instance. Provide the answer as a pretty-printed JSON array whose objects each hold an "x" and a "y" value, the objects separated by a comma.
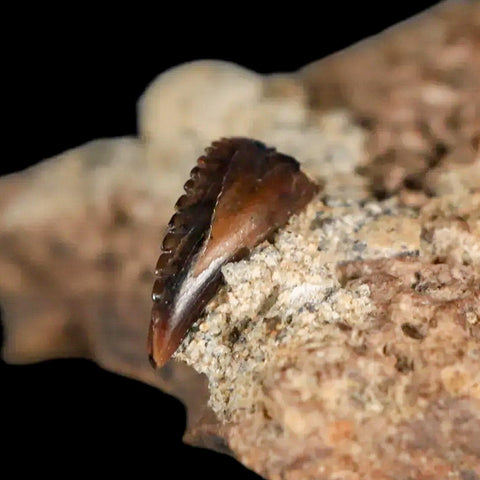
[{"x": 238, "y": 194}]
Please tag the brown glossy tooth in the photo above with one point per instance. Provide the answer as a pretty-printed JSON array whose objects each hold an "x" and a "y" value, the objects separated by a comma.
[{"x": 237, "y": 196}]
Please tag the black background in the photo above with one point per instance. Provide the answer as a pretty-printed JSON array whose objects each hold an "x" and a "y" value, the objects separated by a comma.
[{"x": 75, "y": 76}]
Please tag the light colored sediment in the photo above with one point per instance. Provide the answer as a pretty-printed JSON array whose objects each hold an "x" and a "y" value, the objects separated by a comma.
[
  {"x": 352, "y": 341},
  {"x": 188, "y": 107}
]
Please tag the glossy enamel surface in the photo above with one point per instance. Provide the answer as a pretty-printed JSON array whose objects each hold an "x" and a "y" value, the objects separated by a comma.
[{"x": 238, "y": 194}]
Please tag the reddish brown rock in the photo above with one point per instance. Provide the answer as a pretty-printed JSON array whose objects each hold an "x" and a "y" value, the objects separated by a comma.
[
  {"x": 351, "y": 344},
  {"x": 415, "y": 89}
]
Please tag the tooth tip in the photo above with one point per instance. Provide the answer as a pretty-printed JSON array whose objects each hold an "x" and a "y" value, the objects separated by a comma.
[
  {"x": 157, "y": 355},
  {"x": 158, "y": 361},
  {"x": 160, "y": 356},
  {"x": 161, "y": 344}
]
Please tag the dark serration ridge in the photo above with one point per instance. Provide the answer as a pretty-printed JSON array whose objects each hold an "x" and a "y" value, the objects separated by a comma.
[
  {"x": 194, "y": 209},
  {"x": 238, "y": 194}
]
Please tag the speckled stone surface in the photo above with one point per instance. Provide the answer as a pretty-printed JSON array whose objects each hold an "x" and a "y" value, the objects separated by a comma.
[
  {"x": 352, "y": 341},
  {"x": 347, "y": 348}
]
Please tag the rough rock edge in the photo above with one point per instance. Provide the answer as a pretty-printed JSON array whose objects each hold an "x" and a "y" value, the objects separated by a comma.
[{"x": 360, "y": 318}]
